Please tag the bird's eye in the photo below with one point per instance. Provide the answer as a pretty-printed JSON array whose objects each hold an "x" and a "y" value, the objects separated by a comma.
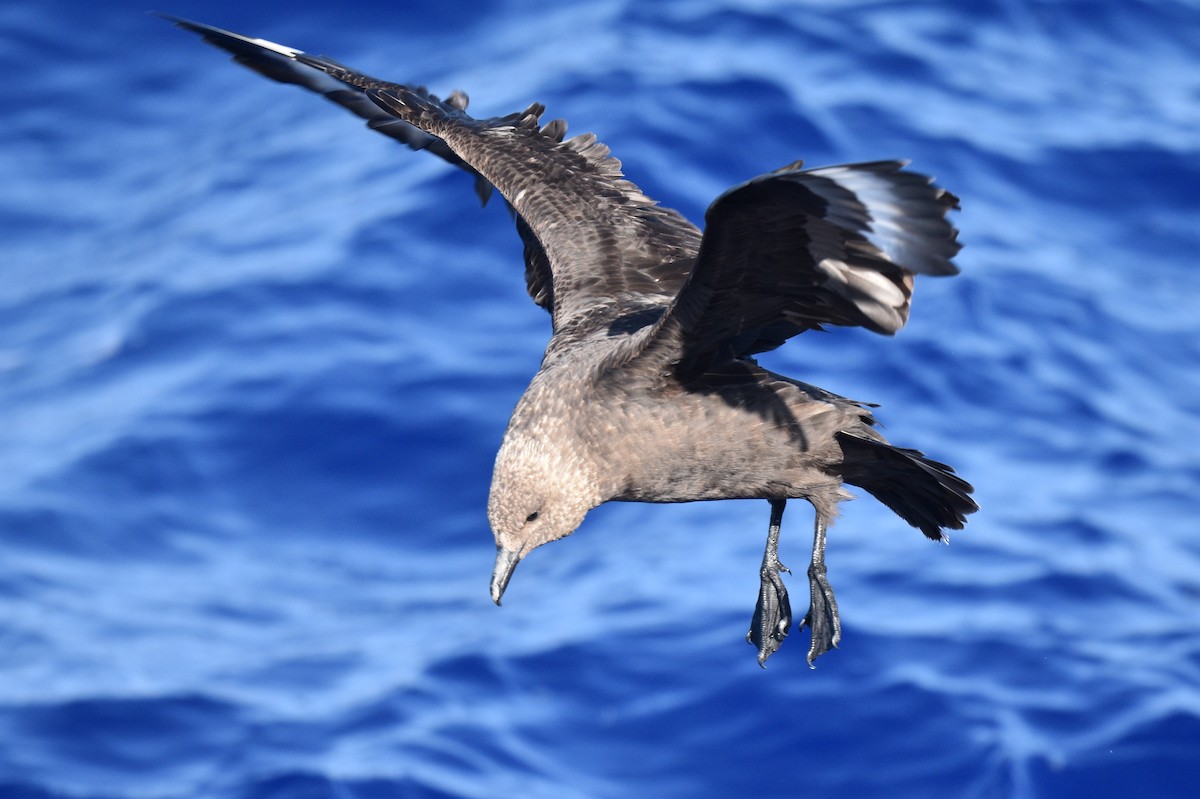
[{"x": 531, "y": 517}]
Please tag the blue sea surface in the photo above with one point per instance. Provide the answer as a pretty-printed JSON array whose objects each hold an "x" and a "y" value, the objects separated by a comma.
[{"x": 255, "y": 362}]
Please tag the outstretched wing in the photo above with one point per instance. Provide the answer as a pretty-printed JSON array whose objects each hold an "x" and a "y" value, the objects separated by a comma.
[
  {"x": 796, "y": 249},
  {"x": 279, "y": 63},
  {"x": 612, "y": 250},
  {"x": 597, "y": 249}
]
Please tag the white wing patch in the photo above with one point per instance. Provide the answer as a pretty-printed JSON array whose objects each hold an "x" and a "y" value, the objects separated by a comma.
[
  {"x": 290, "y": 52},
  {"x": 874, "y": 294},
  {"x": 893, "y": 212}
]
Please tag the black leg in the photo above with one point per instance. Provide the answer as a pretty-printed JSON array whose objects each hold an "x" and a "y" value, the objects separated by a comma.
[
  {"x": 773, "y": 613},
  {"x": 822, "y": 616}
]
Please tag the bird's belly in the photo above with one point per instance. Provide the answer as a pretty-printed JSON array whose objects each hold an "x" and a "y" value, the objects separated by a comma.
[{"x": 716, "y": 451}]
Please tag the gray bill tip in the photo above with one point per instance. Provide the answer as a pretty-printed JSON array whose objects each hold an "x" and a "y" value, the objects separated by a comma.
[{"x": 506, "y": 561}]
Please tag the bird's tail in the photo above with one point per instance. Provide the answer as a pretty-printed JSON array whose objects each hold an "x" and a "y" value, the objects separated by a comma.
[{"x": 926, "y": 494}]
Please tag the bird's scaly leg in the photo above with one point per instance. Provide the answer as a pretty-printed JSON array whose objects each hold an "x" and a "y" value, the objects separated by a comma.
[
  {"x": 822, "y": 616},
  {"x": 773, "y": 613}
]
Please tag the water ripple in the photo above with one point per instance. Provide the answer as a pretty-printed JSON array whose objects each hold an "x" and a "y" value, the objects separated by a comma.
[{"x": 255, "y": 363}]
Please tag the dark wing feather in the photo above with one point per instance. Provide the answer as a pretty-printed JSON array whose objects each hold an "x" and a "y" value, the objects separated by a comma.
[
  {"x": 596, "y": 248},
  {"x": 613, "y": 252},
  {"x": 796, "y": 249},
  {"x": 279, "y": 63}
]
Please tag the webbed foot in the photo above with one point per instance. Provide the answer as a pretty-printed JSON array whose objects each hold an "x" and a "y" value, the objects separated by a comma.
[
  {"x": 773, "y": 612},
  {"x": 822, "y": 617}
]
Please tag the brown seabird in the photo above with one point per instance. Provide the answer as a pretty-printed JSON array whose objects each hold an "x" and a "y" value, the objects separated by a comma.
[{"x": 649, "y": 391}]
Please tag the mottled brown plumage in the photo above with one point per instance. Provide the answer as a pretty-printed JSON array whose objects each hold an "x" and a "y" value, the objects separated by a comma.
[{"x": 648, "y": 391}]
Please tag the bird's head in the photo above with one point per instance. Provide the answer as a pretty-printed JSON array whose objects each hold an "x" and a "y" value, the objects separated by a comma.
[{"x": 539, "y": 494}]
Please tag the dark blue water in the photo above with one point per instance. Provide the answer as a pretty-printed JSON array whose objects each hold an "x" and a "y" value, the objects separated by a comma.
[{"x": 255, "y": 362}]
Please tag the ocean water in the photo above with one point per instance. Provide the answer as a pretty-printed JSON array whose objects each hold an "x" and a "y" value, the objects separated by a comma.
[{"x": 255, "y": 362}]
